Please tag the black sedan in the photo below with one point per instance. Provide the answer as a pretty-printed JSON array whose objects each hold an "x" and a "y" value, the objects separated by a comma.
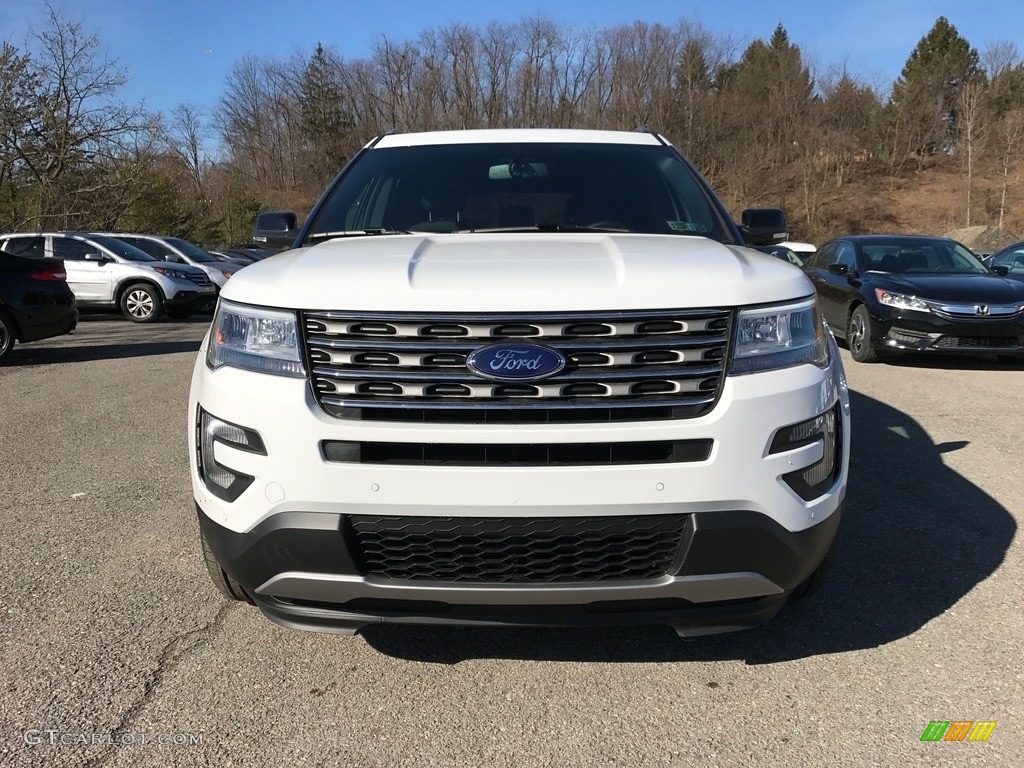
[
  {"x": 35, "y": 300},
  {"x": 916, "y": 294},
  {"x": 1010, "y": 258}
]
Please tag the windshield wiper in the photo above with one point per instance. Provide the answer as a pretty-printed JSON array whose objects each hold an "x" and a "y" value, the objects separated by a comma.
[
  {"x": 548, "y": 228},
  {"x": 354, "y": 233}
]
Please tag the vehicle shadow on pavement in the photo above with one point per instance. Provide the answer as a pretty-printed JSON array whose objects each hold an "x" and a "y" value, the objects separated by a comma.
[
  {"x": 28, "y": 356},
  {"x": 915, "y": 538}
]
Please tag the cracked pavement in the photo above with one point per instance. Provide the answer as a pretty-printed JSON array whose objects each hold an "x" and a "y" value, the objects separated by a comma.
[{"x": 109, "y": 625}]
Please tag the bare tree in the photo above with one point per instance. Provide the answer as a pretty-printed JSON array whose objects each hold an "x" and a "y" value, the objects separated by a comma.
[{"x": 971, "y": 104}]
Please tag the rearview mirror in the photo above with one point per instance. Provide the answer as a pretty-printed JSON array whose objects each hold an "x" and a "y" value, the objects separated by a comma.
[{"x": 764, "y": 226}]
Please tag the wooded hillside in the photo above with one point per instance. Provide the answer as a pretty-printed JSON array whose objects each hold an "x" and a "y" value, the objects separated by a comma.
[{"x": 941, "y": 148}]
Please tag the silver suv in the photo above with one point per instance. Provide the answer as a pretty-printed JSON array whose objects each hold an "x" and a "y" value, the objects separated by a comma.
[
  {"x": 179, "y": 251},
  {"x": 105, "y": 272}
]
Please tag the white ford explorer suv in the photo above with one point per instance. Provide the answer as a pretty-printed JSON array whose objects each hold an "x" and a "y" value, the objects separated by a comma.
[{"x": 520, "y": 377}]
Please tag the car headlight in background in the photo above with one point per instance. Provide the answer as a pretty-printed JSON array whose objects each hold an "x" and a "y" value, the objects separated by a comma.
[
  {"x": 255, "y": 339},
  {"x": 779, "y": 337},
  {"x": 901, "y": 301},
  {"x": 175, "y": 274}
]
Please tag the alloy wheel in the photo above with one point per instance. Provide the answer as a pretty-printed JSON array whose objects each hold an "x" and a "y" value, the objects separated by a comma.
[{"x": 140, "y": 304}]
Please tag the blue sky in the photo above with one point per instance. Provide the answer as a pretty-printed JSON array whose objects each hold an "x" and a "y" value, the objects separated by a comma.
[{"x": 178, "y": 51}]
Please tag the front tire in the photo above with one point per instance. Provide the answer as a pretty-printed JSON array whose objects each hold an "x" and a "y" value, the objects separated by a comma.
[
  {"x": 7, "y": 332},
  {"x": 817, "y": 579},
  {"x": 859, "y": 331},
  {"x": 227, "y": 586},
  {"x": 141, "y": 303}
]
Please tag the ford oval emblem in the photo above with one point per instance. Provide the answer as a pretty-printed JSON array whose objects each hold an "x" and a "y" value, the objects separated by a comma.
[{"x": 515, "y": 362}]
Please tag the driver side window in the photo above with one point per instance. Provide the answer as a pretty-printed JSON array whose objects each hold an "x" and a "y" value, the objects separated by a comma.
[{"x": 72, "y": 250}]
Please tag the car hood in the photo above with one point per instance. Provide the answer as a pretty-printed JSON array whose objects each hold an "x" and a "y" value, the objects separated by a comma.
[
  {"x": 979, "y": 289},
  {"x": 517, "y": 272}
]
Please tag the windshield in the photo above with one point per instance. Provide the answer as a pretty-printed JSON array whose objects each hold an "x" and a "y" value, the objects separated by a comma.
[
  {"x": 918, "y": 256},
  {"x": 121, "y": 248},
  {"x": 479, "y": 187},
  {"x": 194, "y": 252}
]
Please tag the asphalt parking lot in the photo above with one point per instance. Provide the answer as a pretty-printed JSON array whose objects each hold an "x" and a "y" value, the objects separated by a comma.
[{"x": 113, "y": 636}]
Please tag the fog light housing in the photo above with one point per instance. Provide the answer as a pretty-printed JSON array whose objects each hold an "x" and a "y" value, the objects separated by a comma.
[
  {"x": 813, "y": 481},
  {"x": 223, "y": 482}
]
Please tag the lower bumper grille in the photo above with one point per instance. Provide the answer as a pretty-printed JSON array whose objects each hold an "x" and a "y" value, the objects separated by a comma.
[
  {"x": 500, "y": 550},
  {"x": 978, "y": 342}
]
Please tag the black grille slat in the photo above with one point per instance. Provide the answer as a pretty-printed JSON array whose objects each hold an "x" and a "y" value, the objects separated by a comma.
[
  {"x": 517, "y": 454},
  {"x": 647, "y": 364},
  {"x": 978, "y": 342},
  {"x": 518, "y": 550}
]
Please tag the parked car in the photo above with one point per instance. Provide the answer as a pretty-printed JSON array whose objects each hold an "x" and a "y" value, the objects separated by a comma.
[
  {"x": 803, "y": 250},
  {"x": 179, "y": 251},
  {"x": 35, "y": 301},
  {"x": 891, "y": 293},
  {"x": 782, "y": 252},
  {"x": 107, "y": 273},
  {"x": 1010, "y": 259},
  {"x": 255, "y": 252},
  {"x": 235, "y": 256},
  {"x": 520, "y": 377}
]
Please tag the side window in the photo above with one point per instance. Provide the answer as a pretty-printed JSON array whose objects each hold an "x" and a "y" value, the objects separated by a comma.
[
  {"x": 846, "y": 256},
  {"x": 823, "y": 257},
  {"x": 72, "y": 250},
  {"x": 152, "y": 247},
  {"x": 1014, "y": 260},
  {"x": 32, "y": 247}
]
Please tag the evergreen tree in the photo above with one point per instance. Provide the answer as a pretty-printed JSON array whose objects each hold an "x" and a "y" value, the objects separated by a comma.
[
  {"x": 926, "y": 94},
  {"x": 324, "y": 125}
]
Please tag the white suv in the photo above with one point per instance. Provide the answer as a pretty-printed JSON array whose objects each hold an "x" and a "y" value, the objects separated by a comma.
[
  {"x": 104, "y": 272},
  {"x": 522, "y": 377}
]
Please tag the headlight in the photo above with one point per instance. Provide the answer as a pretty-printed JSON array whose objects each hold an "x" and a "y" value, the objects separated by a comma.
[
  {"x": 901, "y": 301},
  {"x": 176, "y": 274},
  {"x": 256, "y": 339},
  {"x": 779, "y": 337}
]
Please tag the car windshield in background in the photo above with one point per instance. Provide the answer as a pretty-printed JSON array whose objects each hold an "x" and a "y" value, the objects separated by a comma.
[
  {"x": 522, "y": 186},
  {"x": 920, "y": 257},
  {"x": 121, "y": 248},
  {"x": 194, "y": 252}
]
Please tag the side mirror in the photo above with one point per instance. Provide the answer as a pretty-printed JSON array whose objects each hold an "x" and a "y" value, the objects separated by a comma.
[
  {"x": 99, "y": 258},
  {"x": 1002, "y": 270},
  {"x": 764, "y": 226},
  {"x": 838, "y": 269}
]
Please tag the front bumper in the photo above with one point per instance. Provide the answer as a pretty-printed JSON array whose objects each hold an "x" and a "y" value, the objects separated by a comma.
[
  {"x": 185, "y": 293},
  {"x": 909, "y": 331},
  {"x": 733, "y": 569}
]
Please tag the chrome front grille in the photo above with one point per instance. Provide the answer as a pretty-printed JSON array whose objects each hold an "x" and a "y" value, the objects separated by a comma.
[
  {"x": 200, "y": 278},
  {"x": 671, "y": 360}
]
